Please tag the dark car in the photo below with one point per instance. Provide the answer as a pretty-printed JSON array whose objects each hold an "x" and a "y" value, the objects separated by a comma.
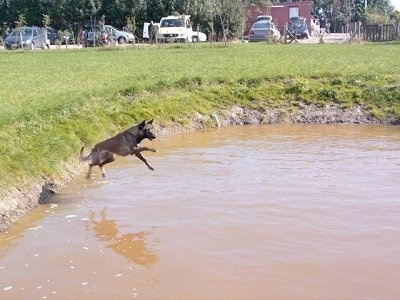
[
  {"x": 94, "y": 34},
  {"x": 53, "y": 36},
  {"x": 26, "y": 37},
  {"x": 299, "y": 29},
  {"x": 95, "y": 37}
]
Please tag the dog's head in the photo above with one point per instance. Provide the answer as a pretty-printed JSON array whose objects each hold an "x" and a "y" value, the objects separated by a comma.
[{"x": 145, "y": 130}]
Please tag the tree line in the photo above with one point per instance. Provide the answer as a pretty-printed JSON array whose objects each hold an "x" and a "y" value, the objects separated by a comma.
[
  {"x": 222, "y": 17},
  {"x": 219, "y": 18},
  {"x": 341, "y": 12}
]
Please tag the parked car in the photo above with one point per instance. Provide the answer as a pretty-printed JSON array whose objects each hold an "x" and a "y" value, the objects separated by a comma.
[
  {"x": 264, "y": 18},
  {"x": 94, "y": 33},
  {"x": 299, "y": 29},
  {"x": 67, "y": 37},
  {"x": 53, "y": 36},
  {"x": 95, "y": 37},
  {"x": 27, "y": 37},
  {"x": 198, "y": 37},
  {"x": 121, "y": 36},
  {"x": 262, "y": 31}
]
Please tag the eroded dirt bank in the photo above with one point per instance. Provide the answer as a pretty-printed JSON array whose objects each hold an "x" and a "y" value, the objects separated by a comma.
[{"x": 17, "y": 202}]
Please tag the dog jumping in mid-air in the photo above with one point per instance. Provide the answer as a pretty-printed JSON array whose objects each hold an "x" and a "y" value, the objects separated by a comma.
[{"x": 124, "y": 143}]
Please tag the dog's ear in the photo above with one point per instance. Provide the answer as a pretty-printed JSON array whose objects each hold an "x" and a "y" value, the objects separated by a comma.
[
  {"x": 141, "y": 125},
  {"x": 150, "y": 122}
]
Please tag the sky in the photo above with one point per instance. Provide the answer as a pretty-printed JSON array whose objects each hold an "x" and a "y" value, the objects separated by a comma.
[{"x": 396, "y": 4}]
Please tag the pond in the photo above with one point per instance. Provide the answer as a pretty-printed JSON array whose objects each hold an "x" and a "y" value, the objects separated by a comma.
[{"x": 250, "y": 212}]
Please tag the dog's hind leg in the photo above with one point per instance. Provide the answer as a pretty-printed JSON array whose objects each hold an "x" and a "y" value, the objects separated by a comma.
[
  {"x": 105, "y": 158},
  {"x": 89, "y": 171},
  {"x": 103, "y": 171}
]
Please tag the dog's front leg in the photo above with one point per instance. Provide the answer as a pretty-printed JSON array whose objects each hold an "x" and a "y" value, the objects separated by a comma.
[
  {"x": 136, "y": 150},
  {"x": 140, "y": 156},
  {"x": 145, "y": 149}
]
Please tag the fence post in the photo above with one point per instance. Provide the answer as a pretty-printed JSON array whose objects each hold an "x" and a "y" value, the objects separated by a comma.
[{"x": 285, "y": 32}]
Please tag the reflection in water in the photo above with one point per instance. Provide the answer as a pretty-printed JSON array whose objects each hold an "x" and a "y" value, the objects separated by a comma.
[{"x": 131, "y": 246}]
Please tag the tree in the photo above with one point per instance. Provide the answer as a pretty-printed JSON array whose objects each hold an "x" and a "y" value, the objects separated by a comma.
[
  {"x": 4, "y": 11},
  {"x": 378, "y": 12},
  {"x": 115, "y": 11},
  {"x": 74, "y": 12},
  {"x": 227, "y": 17},
  {"x": 92, "y": 9},
  {"x": 131, "y": 24},
  {"x": 340, "y": 12},
  {"x": 395, "y": 16},
  {"x": 56, "y": 10},
  {"x": 200, "y": 15},
  {"x": 374, "y": 16}
]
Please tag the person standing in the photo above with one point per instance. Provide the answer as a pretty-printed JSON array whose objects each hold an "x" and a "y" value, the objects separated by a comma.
[{"x": 150, "y": 30}]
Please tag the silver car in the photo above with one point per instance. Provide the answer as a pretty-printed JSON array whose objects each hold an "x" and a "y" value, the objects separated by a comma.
[
  {"x": 122, "y": 37},
  {"x": 262, "y": 31},
  {"x": 26, "y": 38}
]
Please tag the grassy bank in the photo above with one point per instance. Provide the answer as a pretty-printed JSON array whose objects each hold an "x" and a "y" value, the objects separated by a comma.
[{"x": 53, "y": 102}]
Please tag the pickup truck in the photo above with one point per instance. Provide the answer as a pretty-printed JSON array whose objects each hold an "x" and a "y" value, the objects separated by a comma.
[{"x": 177, "y": 29}]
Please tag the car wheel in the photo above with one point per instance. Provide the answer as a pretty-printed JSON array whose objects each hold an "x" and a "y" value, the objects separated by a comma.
[
  {"x": 195, "y": 39},
  {"x": 122, "y": 40},
  {"x": 57, "y": 42}
]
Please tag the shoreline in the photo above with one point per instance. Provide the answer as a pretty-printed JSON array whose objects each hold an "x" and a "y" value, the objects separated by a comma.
[{"x": 18, "y": 202}]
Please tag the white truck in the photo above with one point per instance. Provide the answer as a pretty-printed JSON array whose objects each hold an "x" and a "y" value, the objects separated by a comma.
[{"x": 179, "y": 29}]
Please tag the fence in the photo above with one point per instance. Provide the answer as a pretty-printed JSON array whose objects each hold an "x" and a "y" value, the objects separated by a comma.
[{"x": 381, "y": 33}]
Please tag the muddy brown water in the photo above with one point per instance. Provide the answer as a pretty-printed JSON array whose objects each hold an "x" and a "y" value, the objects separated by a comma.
[{"x": 252, "y": 212}]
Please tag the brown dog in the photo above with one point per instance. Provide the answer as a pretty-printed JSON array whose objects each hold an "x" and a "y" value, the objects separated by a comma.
[{"x": 124, "y": 143}]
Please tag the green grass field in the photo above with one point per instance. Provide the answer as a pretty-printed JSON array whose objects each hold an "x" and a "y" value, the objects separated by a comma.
[{"x": 53, "y": 102}]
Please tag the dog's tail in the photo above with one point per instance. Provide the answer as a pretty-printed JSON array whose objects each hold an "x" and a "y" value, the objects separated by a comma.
[{"x": 85, "y": 157}]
